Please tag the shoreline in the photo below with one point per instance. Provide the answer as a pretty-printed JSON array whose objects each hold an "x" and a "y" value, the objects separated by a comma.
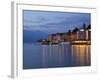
[{"x": 78, "y": 42}]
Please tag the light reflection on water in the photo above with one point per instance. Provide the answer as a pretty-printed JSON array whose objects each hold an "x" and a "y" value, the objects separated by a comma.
[
  {"x": 81, "y": 55},
  {"x": 61, "y": 55}
]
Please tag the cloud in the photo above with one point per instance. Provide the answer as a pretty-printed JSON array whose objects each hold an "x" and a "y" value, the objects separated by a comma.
[{"x": 54, "y": 21}]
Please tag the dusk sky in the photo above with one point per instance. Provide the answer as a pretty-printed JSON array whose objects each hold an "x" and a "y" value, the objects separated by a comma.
[
  {"x": 54, "y": 21},
  {"x": 42, "y": 23}
]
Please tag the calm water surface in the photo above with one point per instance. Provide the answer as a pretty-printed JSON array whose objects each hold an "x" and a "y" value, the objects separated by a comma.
[{"x": 61, "y": 55}]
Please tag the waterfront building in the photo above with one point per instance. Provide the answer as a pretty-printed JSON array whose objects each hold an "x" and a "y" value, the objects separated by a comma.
[{"x": 82, "y": 34}]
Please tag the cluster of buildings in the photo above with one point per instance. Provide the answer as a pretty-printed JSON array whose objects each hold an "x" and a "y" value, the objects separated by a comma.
[{"x": 82, "y": 34}]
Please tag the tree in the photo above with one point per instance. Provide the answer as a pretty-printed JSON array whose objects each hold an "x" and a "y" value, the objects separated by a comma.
[
  {"x": 84, "y": 26},
  {"x": 69, "y": 31},
  {"x": 75, "y": 30},
  {"x": 89, "y": 26}
]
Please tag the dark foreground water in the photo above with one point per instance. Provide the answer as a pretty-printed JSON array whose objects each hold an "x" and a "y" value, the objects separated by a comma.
[{"x": 61, "y": 55}]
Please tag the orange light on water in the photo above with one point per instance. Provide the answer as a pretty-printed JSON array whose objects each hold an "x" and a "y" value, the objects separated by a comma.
[{"x": 81, "y": 54}]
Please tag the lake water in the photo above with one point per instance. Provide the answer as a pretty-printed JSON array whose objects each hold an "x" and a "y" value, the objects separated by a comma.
[{"x": 52, "y": 56}]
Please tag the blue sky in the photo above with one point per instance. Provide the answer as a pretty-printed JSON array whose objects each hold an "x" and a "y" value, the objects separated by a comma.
[{"x": 53, "y": 22}]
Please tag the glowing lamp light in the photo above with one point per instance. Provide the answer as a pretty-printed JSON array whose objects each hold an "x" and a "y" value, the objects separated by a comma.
[{"x": 81, "y": 29}]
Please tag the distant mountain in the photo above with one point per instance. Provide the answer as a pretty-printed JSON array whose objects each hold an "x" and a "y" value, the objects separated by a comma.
[{"x": 33, "y": 36}]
